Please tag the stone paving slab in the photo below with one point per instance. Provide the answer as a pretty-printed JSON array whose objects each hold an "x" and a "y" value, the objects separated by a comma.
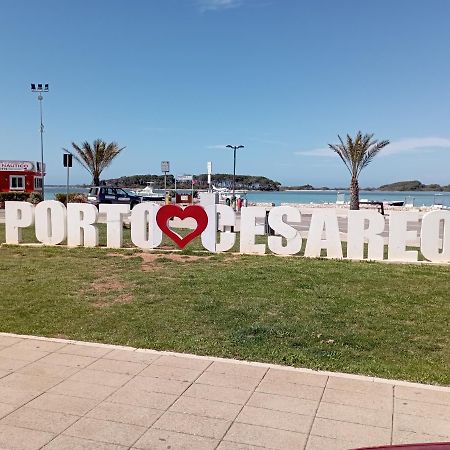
[{"x": 62, "y": 394}]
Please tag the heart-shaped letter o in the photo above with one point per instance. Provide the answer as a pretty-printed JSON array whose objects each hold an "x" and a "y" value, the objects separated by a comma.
[{"x": 166, "y": 212}]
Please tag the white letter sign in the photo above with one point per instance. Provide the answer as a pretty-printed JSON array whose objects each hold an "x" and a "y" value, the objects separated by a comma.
[
  {"x": 145, "y": 233},
  {"x": 277, "y": 221},
  {"x": 249, "y": 229},
  {"x": 400, "y": 236},
  {"x": 149, "y": 221},
  {"x": 324, "y": 222},
  {"x": 430, "y": 244},
  {"x": 18, "y": 215},
  {"x": 82, "y": 225},
  {"x": 114, "y": 223},
  {"x": 50, "y": 222},
  {"x": 358, "y": 234}
]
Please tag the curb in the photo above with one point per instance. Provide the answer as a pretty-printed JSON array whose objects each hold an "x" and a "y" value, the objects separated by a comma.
[{"x": 237, "y": 361}]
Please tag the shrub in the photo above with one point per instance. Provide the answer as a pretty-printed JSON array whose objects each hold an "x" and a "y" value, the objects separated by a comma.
[
  {"x": 74, "y": 197},
  {"x": 14, "y": 196},
  {"x": 33, "y": 197}
]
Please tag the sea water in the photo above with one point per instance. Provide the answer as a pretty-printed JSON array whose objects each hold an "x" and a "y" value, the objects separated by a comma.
[
  {"x": 416, "y": 198},
  {"x": 329, "y": 196}
]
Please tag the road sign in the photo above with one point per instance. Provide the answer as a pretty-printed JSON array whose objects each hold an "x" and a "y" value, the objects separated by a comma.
[
  {"x": 67, "y": 160},
  {"x": 184, "y": 177},
  {"x": 165, "y": 166},
  {"x": 209, "y": 173}
]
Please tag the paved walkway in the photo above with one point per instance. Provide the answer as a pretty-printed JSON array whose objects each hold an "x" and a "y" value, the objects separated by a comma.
[{"x": 59, "y": 394}]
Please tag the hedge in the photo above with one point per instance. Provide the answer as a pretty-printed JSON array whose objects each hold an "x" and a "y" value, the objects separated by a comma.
[
  {"x": 74, "y": 197},
  {"x": 32, "y": 197}
]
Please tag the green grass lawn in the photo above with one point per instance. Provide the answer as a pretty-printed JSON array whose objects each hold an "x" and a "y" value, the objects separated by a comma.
[{"x": 389, "y": 320}]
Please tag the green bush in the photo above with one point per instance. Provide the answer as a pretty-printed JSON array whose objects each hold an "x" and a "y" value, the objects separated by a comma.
[
  {"x": 14, "y": 196},
  {"x": 35, "y": 198},
  {"x": 32, "y": 197},
  {"x": 74, "y": 197}
]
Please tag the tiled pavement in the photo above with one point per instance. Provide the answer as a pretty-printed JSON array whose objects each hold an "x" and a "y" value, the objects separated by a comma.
[{"x": 57, "y": 394}]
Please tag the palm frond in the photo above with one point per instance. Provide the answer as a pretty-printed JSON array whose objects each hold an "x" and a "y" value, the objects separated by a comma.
[
  {"x": 357, "y": 153},
  {"x": 79, "y": 155},
  {"x": 96, "y": 157},
  {"x": 340, "y": 150},
  {"x": 373, "y": 150}
]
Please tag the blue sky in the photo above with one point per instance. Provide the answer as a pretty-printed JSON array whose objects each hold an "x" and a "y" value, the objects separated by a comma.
[{"x": 180, "y": 79}]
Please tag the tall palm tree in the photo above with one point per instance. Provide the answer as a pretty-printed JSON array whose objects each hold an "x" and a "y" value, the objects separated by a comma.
[
  {"x": 356, "y": 154},
  {"x": 96, "y": 157}
]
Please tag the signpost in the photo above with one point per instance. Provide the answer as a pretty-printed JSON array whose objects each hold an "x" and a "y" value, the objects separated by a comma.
[
  {"x": 165, "y": 168},
  {"x": 67, "y": 162},
  {"x": 209, "y": 175}
]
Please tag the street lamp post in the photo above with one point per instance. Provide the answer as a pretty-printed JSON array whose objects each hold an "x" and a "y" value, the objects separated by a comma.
[
  {"x": 234, "y": 147},
  {"x": 40, "y": 88}
]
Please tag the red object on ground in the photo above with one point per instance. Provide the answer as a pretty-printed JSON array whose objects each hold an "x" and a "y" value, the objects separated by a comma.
[
  {"x": 183, "y": 198},
  {"x": 166, "y": 212},
  {"x": 425, "y": 446}
]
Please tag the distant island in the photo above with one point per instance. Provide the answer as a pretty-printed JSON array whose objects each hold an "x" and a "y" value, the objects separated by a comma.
[
  {"x": 259, "y": 183},
  {"x": 309, "y": 187},
  {"x": 413, "y": 185},
  {"x": 221, "y": 180}
]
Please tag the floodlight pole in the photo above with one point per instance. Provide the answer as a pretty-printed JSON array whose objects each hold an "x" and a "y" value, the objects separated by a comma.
[
  {"x": 67, "y": 186},
  {"x": 234, "y": 147},
  {"x": 40, "y": 98},
  {"x": 40, "y": 89}
]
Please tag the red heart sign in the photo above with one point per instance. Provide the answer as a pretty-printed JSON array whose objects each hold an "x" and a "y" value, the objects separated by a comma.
[{"x": 166, "y": 212}]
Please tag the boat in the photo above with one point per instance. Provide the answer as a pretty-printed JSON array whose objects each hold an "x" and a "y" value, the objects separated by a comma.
[
  {"x": 438, "y": 202},
  {"x": 223, "y": 190},
  {"x": 147, "y": 194},
  {"x": 396, "y": 203}
]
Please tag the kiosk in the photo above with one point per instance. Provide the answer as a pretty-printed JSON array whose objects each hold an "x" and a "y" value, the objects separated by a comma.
[{"x": 20, "y": 176}]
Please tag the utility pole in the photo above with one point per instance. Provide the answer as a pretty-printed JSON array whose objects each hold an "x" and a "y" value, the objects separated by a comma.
[
  {"x": 67, "y": 162},
  {"x": 40, "y": 88},
  {"x": 209, "y": 168},
  {"x": 234, "y": 147},
  {"x": 165, "y": 169}
]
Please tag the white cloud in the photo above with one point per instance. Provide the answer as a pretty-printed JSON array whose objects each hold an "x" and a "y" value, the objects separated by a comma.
[
  {"x": 215, "y": 5},
  {"x": 159, "y": 129},
  {"x": 268, "y": 141},
  {"x": 407, "y": 145},
  {"x": 411, "y": 145},
  {"x": 216, "y": 146},
  {"x": 315, "y": 152}
]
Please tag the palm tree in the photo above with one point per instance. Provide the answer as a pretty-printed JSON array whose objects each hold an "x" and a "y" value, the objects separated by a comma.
[
  {"x": 356, "y": 154},
  {"x": 95, "y": 158}
]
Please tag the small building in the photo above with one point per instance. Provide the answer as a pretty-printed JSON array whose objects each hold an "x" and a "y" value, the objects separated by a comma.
[{"x": 20, "y": 176}]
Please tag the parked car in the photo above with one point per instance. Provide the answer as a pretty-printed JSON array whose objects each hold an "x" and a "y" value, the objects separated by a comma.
[{"x": 109, "y": 194}]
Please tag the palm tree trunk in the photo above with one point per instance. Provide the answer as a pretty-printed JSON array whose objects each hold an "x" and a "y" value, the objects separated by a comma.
[
  {"x": 96, "y": 180},
  {"x": 354, "y": 193}
]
